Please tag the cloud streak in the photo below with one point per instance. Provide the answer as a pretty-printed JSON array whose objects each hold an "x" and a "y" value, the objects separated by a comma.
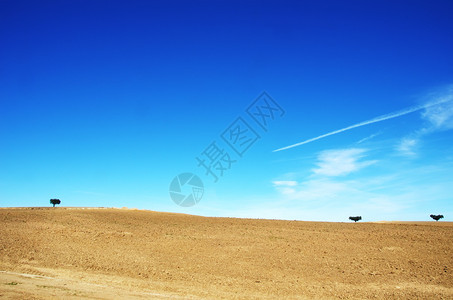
[
  {"x": 438, "y": 118},
  {"x": 341, "y": 162},
  {"x": 285, "y": 183},
  {"x": 368, "y": 122},
  {"x": 406, "y": 147}
]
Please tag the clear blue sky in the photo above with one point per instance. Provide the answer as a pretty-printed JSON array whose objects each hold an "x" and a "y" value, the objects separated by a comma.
[{"x": 102, "y": 103}]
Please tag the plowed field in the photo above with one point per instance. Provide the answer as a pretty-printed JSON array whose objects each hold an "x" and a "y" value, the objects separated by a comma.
[{"x": 132, "y": 254}]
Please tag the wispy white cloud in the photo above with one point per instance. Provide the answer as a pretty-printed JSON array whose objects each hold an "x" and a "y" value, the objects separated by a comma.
[
  {"x": 319, "y": 185},
  {"x": 438, "y": 116},
  {"x": 285, "y": 183},
  {"x": 407, "y": 146},
  {"x": 341, "y": 162},
  {"x": 315, "y": 189},
  {"x": 286, "y": 187},
  {"x": 393, "y": 115}
]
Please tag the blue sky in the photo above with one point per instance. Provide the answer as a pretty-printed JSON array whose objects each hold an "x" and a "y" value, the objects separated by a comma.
[{"x": 103, "y": 103}]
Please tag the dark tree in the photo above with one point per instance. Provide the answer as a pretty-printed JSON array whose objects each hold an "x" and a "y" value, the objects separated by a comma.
[
  {"x": 355, "y": 219},
  {"x": 55, "y": 201},
  {"x": 437, "y": 217}
]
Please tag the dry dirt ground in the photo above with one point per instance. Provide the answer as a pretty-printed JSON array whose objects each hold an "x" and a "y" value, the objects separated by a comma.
[{"x": 52, "y": 253}]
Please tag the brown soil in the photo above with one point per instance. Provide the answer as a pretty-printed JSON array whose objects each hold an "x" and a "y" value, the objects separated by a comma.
[{"x": 119, "y": 253}]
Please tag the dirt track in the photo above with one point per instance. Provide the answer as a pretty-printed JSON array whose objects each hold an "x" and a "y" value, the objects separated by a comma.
[{"x": 108, "y": 253}]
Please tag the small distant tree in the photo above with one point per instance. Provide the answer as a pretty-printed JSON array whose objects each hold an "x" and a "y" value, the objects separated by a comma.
[
  {"x": 437, "y": 217},
  {"x": 355, "y": 219},
  {"x": 55, "y": 201}
]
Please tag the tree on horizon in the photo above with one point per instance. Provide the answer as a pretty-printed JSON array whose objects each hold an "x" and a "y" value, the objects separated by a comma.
[
  {"x": 437, "y": 217},
  {"x": 55, "y": 201},
  {"x": 355, "y": 219}
]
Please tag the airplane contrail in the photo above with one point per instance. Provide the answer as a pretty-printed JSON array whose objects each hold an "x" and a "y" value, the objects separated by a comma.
[{"x": 375, "y": 120}]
